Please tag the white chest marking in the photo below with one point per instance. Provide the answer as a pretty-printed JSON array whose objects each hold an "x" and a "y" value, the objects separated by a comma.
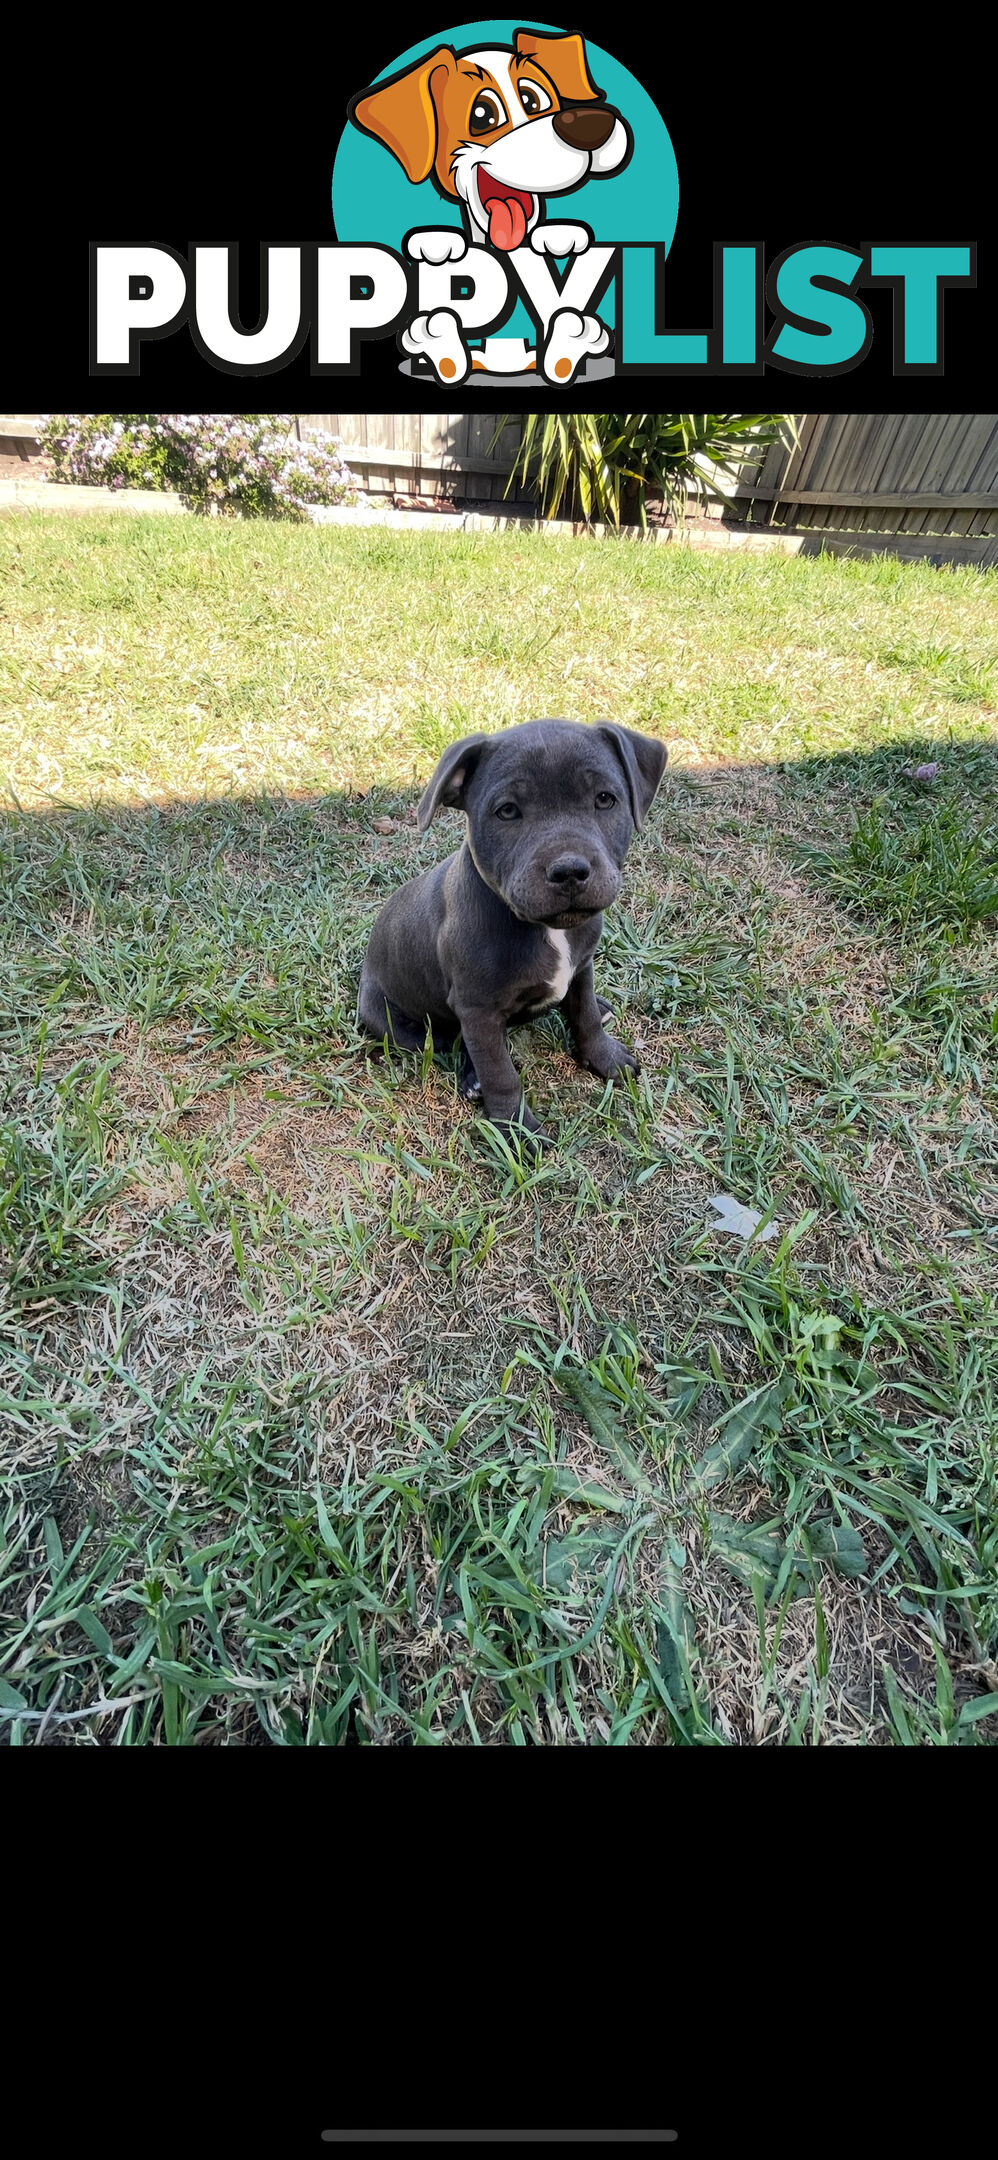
[{"x": 564, "y": 970}]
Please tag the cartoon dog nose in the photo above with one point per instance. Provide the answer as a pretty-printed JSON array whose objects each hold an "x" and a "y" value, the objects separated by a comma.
[
  {"x": 568, "y": 870},
  {"x": 585, "y": 127}
]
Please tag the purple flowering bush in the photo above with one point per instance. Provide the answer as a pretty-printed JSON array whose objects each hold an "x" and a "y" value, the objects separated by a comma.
[
  {"x": 225, "y": 464},
  {"x": 252, "y": 465},
  {"x": 107, "y": 449}
]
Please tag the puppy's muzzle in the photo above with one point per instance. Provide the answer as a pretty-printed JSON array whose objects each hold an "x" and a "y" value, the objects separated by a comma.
[
  {"x": 569, "y": 875},
  {"x": 585, "y": 127}
]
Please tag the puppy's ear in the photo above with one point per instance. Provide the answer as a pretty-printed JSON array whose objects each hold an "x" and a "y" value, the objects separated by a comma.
[
  {"x": 643, "y": 760},
  {"x": 446, "y": 789},
  {"x": 563, "y": 60},
  {"x": 402, "y": 113}
]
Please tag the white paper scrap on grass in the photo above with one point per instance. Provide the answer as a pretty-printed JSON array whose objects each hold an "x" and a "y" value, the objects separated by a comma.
[{"x": 741, "y": 1221}]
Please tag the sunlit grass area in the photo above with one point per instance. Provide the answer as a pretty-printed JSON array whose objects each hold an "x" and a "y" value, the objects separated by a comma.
[{"x": 176, "y": 657}]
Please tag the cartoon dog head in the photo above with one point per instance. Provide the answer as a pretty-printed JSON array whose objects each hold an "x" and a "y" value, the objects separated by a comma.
[{"x": 498, "y": 130}]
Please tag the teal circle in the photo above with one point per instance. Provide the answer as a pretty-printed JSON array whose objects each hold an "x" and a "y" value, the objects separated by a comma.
[{"x": 373, "y": 200}]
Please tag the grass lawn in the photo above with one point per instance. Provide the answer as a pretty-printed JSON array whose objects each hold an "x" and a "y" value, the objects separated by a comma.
[{"x": 326, "y": 1418}]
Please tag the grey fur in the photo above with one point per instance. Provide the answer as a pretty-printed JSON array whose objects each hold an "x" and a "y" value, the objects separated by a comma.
[{"x": 466, "y": 947}]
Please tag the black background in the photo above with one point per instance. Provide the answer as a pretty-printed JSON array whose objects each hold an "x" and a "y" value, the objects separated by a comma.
[
  {"x": 214, "y": 1958},
  {"x": 787, "y": 129}
]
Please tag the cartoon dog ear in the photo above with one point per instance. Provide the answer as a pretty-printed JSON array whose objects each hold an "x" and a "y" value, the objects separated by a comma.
[
  {"x": 563, "y": 59},
  {"x": 402, "y": 113},
  {"x": 643, "y": 760},
  {"x": 446, "y": 789}
]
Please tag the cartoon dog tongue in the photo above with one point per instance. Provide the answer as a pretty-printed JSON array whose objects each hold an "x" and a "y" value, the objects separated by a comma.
[
  {"x": 507, "y": 210},
  {"x": 507, "y": 224}
]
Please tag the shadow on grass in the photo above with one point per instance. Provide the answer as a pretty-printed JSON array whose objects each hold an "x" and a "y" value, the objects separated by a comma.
[
  {"x": 246, "y": 918},
  {"x": 248, "y": 1505},
  {"x": 916, "y": 850}
]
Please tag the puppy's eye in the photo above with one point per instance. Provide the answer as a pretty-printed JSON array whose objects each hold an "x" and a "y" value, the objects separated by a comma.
[
  {"x": 508, "y": 810},
  {"x": 487, "y": 112},
  {"x": 533, "y": 98},
  {"x": 604, "y": 800}
]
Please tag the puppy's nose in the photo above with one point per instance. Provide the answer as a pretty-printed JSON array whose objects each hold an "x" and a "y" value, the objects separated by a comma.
[
  {"x": 585, "y": 127},
  {"x": 568, "y": 870}
]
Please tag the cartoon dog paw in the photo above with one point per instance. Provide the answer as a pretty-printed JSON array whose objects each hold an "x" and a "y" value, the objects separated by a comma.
[
  {"x": 437, "y": 338},
  {"x": 571, "y": 339},
  {"x": 560, "y": 239},
  {"x": 436, "y": 247}
]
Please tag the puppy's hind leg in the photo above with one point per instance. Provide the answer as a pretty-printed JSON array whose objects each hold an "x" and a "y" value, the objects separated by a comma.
[
  {"x": 372, "y": 1010},
  {"x": 438, "y": 339},
  {"x": 468, "y": 1082},
  {"x": 379, "y": 1017}
]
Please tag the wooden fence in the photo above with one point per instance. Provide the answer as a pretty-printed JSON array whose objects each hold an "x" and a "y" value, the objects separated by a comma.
[
  {"x": 433, "y": 454},
  {"x": 908, "y": 484},
  {"x": 911, "y": 484}
]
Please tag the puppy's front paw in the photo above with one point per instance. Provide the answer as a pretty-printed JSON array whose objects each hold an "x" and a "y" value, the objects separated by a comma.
[
  {"x": 560, "y": 239},
  {"x": 608, "y": 1059},
  {"x": 436, "y": 247},
  {"x": 437, "y": 338}
]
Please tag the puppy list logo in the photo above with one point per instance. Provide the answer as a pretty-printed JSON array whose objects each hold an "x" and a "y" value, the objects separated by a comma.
[
  {"x": 475, "y": 188},
  {"x": 500, "y": 130}
]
